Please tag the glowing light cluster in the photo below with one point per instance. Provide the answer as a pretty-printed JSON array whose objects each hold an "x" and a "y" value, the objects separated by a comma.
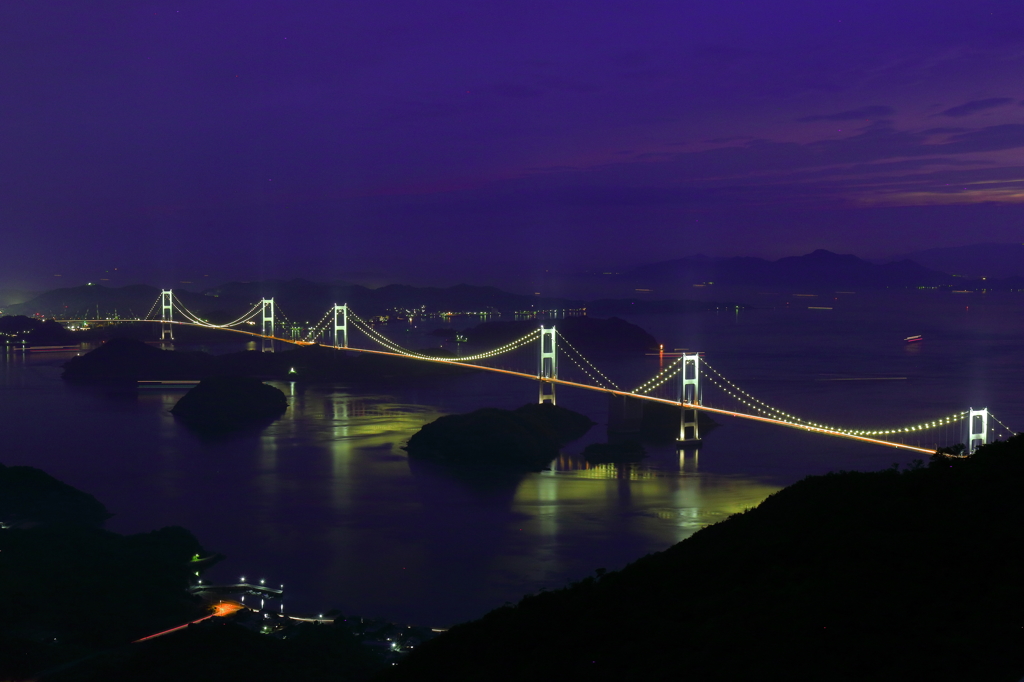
[
  {"x": 664, "y": 375},
  {"x": 584, "y": 359}
]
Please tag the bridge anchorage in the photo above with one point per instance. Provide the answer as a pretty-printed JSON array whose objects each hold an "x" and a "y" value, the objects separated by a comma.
[{"x": 680, "y": 384}]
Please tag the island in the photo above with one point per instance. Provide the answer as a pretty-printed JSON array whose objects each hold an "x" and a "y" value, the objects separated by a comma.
[
  {"x": 127, "y": 360},
  {"x": 230, "y": 402},
  {"x": 526, "y": 439}
]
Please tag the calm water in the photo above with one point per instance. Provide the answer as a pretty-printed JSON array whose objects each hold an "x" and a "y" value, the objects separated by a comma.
[{"x": 326, "y": 502}]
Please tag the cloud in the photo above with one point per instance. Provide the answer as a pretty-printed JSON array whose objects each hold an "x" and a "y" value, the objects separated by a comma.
[
  {"x": 879, "y": 165},
  {"x": 974, "y": 106},
  {"x": 734, "y": 138},
  {"x": 873, "y": 111}
]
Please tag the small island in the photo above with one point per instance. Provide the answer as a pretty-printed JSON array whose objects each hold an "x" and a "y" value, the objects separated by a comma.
[
  {"x": 127, "y": 360},
  {"x": 523, "y": 440},
  {"x": 228, "y": 403}
]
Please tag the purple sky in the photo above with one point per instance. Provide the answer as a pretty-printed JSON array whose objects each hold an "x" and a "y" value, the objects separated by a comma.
[{"x": 264, "y": 139}]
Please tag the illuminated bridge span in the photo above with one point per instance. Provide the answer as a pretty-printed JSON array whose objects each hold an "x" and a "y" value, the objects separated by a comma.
[{"x": 679, "y": 384}]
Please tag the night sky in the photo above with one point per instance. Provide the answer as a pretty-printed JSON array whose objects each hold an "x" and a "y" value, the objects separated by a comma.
[{"x": 458, "y": 139}]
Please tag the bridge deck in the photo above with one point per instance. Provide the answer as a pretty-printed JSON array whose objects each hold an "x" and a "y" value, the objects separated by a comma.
[{"x": 561, "y": 382}]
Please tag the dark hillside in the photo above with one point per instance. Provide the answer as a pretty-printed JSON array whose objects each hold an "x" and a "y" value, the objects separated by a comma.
[{"x": 893, "y": 575}]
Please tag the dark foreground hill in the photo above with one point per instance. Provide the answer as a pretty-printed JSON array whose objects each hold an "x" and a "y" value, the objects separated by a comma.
[
  {"x": 69, "y": 589},
  {"x": 894, "y": 575}
]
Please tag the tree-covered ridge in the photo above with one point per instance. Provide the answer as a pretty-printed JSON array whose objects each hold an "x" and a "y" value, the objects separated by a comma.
[
  {"x": 68, "y": 588},
  {"x": 30, "y": 496},
  {"x": 15, "y": 329},
  {"x": 906, "y": 574}
]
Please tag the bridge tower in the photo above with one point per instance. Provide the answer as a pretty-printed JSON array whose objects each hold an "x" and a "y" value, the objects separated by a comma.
[
  {"x": 689, "y": 392},
  {"x": 267, "y": 326},
  {"x": 342, "y": 341},
  {"x": 166, "y": 314},
  {"x": 548, "y": 365},
  {"x": 977, "y": 428}
]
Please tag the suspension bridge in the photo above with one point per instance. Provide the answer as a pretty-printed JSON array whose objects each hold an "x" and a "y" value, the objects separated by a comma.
[{"x": 680, "y": 384}]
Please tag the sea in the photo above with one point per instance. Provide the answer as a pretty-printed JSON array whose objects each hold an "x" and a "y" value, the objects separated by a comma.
[{"x": 325, "y": 502}]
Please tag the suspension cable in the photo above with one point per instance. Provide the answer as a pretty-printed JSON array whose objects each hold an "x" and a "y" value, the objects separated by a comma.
[
  {"x": 314, "y": 330},
  {"x": 1009, "y": 431},
  {"x": 388, "y": 343},
  {"x": 664, "y": 375},
  {"x": 584, "y": 369},
  {"x": 180, "y": 307},
  {"x": 284, "y": 320},
  {"x": 774, "y": 412},
  {"x": 584, "y": 359}
]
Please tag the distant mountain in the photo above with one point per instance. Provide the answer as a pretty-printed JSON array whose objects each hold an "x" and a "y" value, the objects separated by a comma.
[
  {"x": 994, "y": 261},
  {"x": 298, "y": 299},
  {"x": 87, "y": 300},
  {"x": 820, "y": 269},
  {"x": 91, "y": 301},
  {"x": 10, "y": 297},
  {"x": 304, "y": 298}
]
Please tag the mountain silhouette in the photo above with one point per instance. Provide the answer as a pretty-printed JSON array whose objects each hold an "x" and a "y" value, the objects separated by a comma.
[{"x": 818, "y": 269}]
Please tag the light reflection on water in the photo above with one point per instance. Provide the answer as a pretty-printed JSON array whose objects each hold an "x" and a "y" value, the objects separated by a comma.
[
  {"x": 422, "y": 544},
  {"x": 325, "y": 500}
]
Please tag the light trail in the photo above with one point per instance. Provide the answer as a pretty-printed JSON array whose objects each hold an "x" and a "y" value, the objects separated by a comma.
[
  {"x": 573, "y": 384},
  {"x": 220, "y": 610}
]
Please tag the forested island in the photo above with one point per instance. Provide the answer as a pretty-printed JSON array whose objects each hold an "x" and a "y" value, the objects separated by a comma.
[
  {"x": 18, "y": 329},
  {"x": 226, "y": 403},
  {"x": 521, "y": 440},
  {"x": 130, "y": 360}
]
